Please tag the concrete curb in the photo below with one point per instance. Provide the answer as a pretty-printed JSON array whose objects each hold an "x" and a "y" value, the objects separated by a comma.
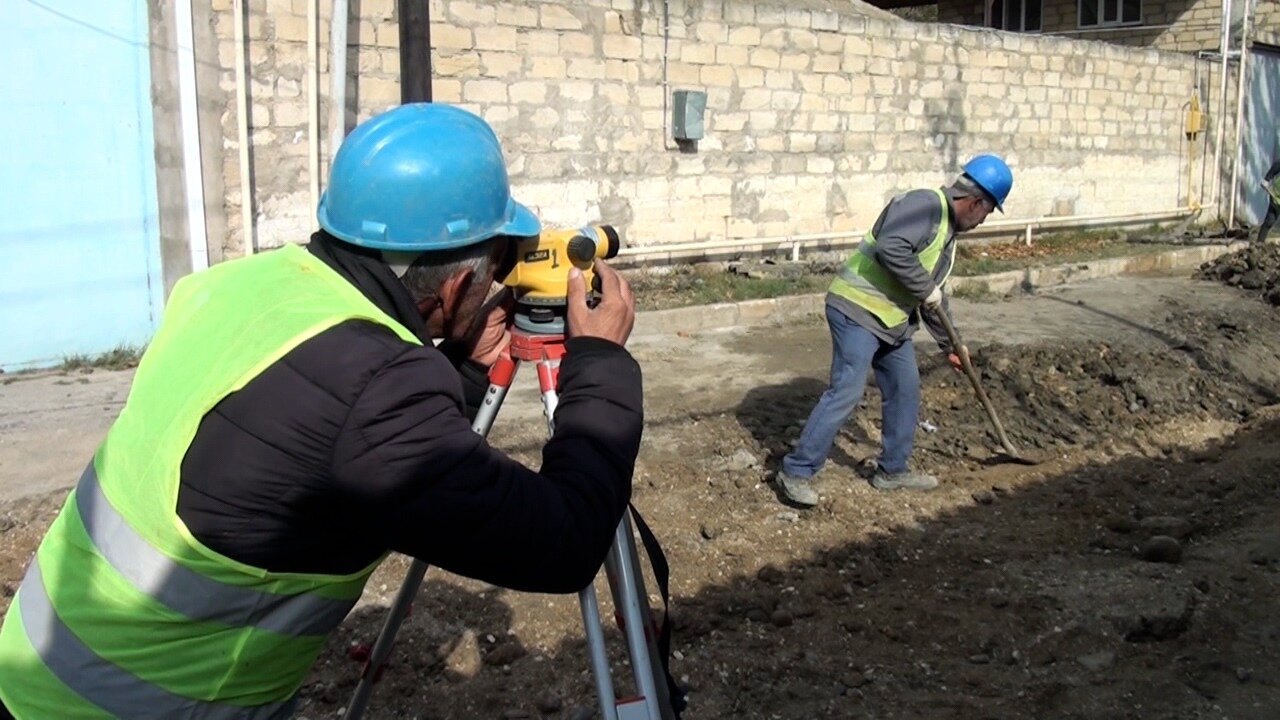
[{"x": 771, "y": 310}]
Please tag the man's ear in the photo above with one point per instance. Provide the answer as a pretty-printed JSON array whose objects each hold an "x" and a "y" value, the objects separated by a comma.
[{"x": 454, "y": 290}]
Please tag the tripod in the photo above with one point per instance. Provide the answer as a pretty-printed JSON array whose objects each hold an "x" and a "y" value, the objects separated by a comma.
[{"x": 651, "y": 700}]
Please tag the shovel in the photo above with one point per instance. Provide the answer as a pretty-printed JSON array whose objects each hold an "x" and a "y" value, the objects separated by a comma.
[{"x": 963, "y": 352}]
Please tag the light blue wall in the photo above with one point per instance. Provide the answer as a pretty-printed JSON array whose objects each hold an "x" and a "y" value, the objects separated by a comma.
[{"x": 79, "y": 239}]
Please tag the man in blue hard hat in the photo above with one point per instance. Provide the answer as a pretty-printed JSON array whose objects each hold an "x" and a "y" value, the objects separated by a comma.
[
  {"x": 873, "y": 308},
  {"x": 293, "y": 421}
]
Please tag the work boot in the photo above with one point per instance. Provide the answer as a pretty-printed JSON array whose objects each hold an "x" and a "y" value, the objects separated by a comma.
[
  {"x": 797, "y": 490},
  {"x": 905, "y": 480}
]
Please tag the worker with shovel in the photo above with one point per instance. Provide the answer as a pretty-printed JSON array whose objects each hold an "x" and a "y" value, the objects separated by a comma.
[
  {"x": 873, "y": 308},
  {"x": 293, "y": 421}
]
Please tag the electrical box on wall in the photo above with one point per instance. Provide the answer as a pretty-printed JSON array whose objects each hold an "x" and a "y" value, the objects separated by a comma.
[
  {"x": 1195, "y": 118},
  {"x": 688, "y": 108}
]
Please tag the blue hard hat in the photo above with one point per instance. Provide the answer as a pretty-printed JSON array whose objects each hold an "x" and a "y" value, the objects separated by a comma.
[
  {"x": 991, "y": 173},
  {"x": 422, "y": 177}
]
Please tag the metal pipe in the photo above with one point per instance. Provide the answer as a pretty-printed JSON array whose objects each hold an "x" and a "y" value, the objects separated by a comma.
[
  {"x": 338, "y": 76},
  {"x": 1204, "y": 164},
  {"x": 1177, "y": 195},
  {"x": 189, "y": 109},
  {"x": 1204, "y": 142},
  {"x": 1194, "y": 142},
  {"x": 1239, "y": 153},
  {"x": 313, "y": 100},
  {"x": 1124, "y": 29},
  {"x": 666, "y": 82},
  {"x": 415, "y": 50},
  {"x": 841, "y": 238},
  {"x": 242, "y": 118},
  {"x": 1060, "y": 221},
  {"x": 1224, "y": 48},
  {"x": 732, "y": 243}
]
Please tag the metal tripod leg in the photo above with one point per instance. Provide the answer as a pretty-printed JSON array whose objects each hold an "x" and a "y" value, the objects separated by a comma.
[
  {"x": 596, "y": 651},
  {"x": 591, "y": 624},
  {"x": 417, "y": 570},
  {"x": 626, "y": 580},
  {"x": 626, "y": 584},
  {"x": 386, "y": 639}
]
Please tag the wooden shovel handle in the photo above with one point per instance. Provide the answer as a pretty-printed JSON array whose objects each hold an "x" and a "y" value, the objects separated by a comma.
[{"x": 967, "y": 364}]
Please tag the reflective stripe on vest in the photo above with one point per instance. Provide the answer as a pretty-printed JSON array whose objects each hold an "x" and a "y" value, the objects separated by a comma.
[
  {"x": 110, "y": 687},
  {"x": 190, "y": 593},
  {"x": 865, "y": 283},
  {"x": 126, "y": 613}
]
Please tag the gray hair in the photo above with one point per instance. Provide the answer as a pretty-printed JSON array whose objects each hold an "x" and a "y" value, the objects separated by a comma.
[
  {"x": 424, "y": 273},
  {"x": 964, "y": 186}
]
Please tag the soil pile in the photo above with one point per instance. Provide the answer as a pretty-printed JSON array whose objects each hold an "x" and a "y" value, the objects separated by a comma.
[
  {"x": 1256, "y": 269},
  {"x": 1105, "y": 395},
  {"x": 1065, "y": 394}
]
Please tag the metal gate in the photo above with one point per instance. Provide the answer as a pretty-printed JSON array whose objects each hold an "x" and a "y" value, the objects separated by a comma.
[
  {"x": 79, "y": 242},
  {"x": 1261, "y": 134}
]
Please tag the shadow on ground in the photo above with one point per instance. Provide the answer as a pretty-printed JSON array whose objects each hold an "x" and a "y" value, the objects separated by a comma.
[
  {"x": 775, "y": 415},
  {"x": 1031, "y": 602}
]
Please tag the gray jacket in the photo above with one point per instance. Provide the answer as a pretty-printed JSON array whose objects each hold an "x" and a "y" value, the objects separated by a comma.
[{"x": 905, "y": 228}]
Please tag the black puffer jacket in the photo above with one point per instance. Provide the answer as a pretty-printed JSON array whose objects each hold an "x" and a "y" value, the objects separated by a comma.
[{"x": 357, "y": 442}]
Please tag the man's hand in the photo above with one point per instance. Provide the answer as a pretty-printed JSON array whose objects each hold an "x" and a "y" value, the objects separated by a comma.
[
  {"x": 954, "y": 358},
  {"x": 495, "y": 332},
  {"x": 934, "y": 301},
  {"x": 611, "y": 319}
]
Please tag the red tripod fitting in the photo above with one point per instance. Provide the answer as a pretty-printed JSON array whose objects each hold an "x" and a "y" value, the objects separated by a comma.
[{"x": 545, "y": 350}]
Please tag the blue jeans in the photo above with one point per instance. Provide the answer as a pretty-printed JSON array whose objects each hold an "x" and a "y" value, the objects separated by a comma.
[{"x": 854, "y": 351}]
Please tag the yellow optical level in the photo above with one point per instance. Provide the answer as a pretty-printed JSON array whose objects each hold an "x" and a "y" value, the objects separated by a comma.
[{"x": 541, "y": 272}]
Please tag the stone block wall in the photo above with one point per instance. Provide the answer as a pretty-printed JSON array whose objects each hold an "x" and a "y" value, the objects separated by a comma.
[
  {"x": 1174, "y": 25},
  {"x": 816, "y": 113},
  {"x": 961, "y": 12},
  {"x": 1267, "y": 22}
]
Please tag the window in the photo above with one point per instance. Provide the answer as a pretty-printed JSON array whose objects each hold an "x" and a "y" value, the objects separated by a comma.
[
  {"x": 1016, "y": 15},
  {"x": 1109, "y": 13}
]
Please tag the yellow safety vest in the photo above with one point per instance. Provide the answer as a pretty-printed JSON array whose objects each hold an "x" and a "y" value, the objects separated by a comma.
[
  {"x": 866, "y": 283},
  {"x": 123, "y": 612}
]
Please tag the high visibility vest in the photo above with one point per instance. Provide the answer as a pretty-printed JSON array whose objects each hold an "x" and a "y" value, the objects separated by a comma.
[
  {"x": 1273, "y": 189},
  {"x": 866, "y": 283},
  {"x": 123, "y": 612}
]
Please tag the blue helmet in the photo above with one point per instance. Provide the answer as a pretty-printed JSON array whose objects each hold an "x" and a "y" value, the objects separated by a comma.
[
  {"x": 422, "y": 177},
  {"x": 991, "y": 173}
]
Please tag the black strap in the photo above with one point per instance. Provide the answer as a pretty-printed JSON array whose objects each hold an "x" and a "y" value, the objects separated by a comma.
[{"x": 661, "y": 573}]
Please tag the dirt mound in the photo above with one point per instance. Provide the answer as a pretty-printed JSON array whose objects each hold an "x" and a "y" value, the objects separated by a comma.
[
  {"x": 1066, "y": 394},
  {"x": 1071, "y": 393},
  {"x": 1256, "y": 269}
]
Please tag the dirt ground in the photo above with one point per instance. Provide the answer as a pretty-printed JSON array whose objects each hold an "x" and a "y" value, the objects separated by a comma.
[{"x": 1135, "y": 573}]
